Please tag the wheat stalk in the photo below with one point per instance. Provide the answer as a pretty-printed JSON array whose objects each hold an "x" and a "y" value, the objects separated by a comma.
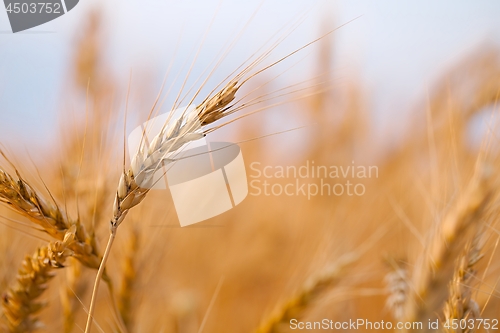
[
  {"x": 19, "y": 303},
  {"x": 134, "y": 184},
  {"x": 192, "y": 125}
]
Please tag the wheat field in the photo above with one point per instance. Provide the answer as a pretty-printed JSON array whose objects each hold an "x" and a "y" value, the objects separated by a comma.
[{"x": 413, "y": 238}]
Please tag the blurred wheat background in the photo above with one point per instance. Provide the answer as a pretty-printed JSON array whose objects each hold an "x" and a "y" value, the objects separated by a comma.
[{"x": 420, "y": 244}]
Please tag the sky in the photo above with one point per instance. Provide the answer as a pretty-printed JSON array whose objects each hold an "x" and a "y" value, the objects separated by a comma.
[{"x": 397, "y": 49}]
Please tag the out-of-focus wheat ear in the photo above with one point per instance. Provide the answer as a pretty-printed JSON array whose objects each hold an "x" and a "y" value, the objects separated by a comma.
[
  {"x": 314, "y": 288},
  {"x": 184, "y": 306},
  {"x": 460, "y": 304},
  {"x": 67, "y": 298},
  {"x": 435, "y": 268},
  {"x": 128, "y": 280},
  {"x": 397, "y": 284},
  {"x": 20, "y": 303}
]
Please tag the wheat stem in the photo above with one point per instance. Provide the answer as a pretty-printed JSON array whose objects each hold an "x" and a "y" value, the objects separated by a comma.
[{"x": 90, "y": 317}]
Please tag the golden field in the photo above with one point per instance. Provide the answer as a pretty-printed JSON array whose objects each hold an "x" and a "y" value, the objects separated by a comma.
[{"x": 419, "y": 244}]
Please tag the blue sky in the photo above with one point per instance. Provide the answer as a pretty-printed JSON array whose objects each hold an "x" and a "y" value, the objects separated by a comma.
[{"x": 396, "y": 48}]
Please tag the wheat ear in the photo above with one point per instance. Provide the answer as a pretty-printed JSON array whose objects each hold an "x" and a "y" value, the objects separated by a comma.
[
  {"x": 313, "y": 289},
  {"x": 460, "y": 304},
  {"x": 22, "y": 198},
  {"x": 19, "y": 303},
  {"x": 134, "y": 184},
  {"x": 397, "y": 285},
  {"x": 74, "y": 287},
  {"x": 435, "y": 269}
]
